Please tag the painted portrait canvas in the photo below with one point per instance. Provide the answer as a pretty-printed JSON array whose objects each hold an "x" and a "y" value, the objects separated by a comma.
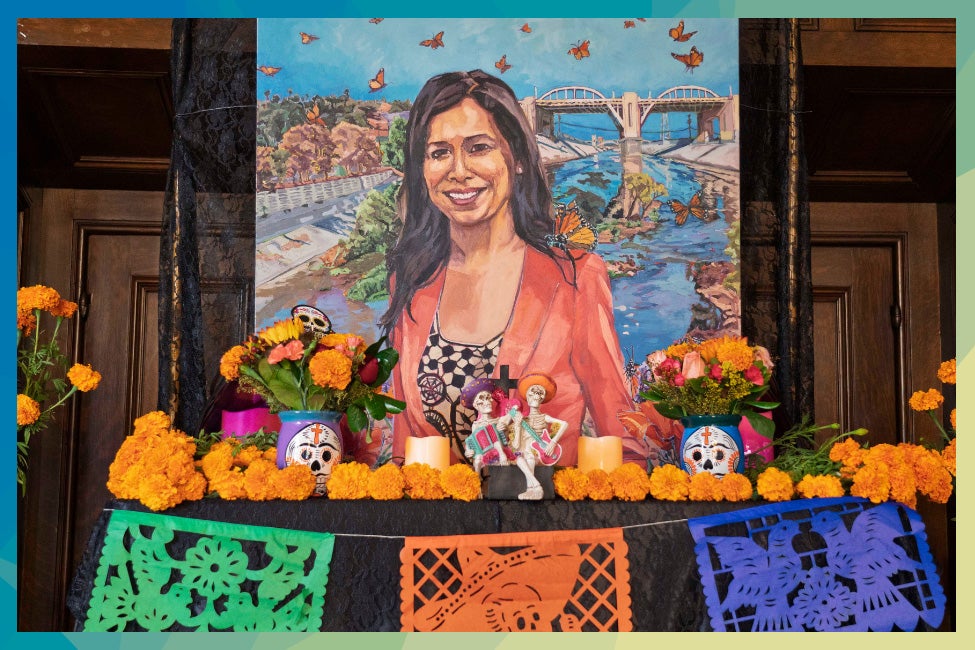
[{"x": 503, "y": 198}]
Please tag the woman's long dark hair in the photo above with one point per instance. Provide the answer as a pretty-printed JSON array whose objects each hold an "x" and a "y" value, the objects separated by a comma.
[{"x": 424, "y": 242}]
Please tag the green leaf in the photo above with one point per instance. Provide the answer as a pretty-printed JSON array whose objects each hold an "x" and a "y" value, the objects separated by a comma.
[
  {"x": 762, "y": 425},
  {"x": 356, "y": 418},
  {"x": 373, "y": 350},
  {"x": 393, "y": 405},
  {"x": 763, "y": 406},
  {"x": 265, "y": 370},
  {"x": 316, "y": 402},
  {"x": 668, "y": 411},
  {"x": 376, "y": 406},
  {"x": 387, "y": 359},
  {"x": 285, "y": 393}
]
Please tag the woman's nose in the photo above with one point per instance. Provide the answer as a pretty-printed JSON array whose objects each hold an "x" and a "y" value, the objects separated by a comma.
[{"x": 458, "y": 170}]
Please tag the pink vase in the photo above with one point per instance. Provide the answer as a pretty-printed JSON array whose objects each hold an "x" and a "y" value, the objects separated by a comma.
[
  {"x": 754, "y": 441},
  {"x": 243, "y": 423}
]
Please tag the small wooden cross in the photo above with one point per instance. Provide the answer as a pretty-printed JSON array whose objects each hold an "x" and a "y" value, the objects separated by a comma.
[{"x": 504, "y": 382}]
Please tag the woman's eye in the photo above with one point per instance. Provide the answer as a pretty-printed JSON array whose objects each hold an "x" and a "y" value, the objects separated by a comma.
[
  {"x": 480, "y": 147},
  {"x": 438, "y": 154}
]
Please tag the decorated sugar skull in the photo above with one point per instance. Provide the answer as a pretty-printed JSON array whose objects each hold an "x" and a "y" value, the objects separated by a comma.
[
  {"x": 318, "y": 446},
  {"x": 710, "y": 449},
  {"x": 313, "y": 320}
]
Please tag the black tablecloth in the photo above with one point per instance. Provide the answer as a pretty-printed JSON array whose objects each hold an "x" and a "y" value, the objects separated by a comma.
[{"x": 363, "y": 584}]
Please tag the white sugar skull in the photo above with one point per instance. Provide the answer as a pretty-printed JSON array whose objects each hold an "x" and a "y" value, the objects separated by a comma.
[
  {"x": 318, "y": 446},
  {"x": 710, "y": 449},
  {"x": 313, "y": 320}
]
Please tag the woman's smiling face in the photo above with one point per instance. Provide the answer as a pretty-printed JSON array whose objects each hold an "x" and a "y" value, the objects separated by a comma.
[{"x": 467, "y": 166}]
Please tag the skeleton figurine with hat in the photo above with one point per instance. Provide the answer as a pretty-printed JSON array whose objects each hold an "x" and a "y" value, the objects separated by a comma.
[
  {"x": 539, "y": 434},
  {"x": 487, "y": 443}
]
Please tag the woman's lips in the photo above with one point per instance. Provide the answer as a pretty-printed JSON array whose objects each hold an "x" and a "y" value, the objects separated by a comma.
[{"x": 465, "y": 197}]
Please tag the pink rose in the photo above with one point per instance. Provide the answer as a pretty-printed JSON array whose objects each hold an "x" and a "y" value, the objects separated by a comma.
[
  {"x": 693, "y": 365},
  {"x": 679, "y": 380},
  {"x": 716, "y": 372},
  {"x": 754, "y": 375},
  {"x": 291, "y": 350},
  {"x": 667, "y": 367},
  {"x": 761, "y": 354},
  {"x": 655, "y": 359}
]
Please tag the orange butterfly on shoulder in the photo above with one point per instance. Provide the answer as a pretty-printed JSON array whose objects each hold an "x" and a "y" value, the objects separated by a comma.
[
  {"x": 627, "y": 24},
  {"x": 502, "y": 64},
  {"x": 375, "y": 21},
  {"x": 314, "y": 116},
  {"x": 433, "y": 43},
  {"x": 572, "y": 232},
  {"x": 525, "y": 28},
  {"x": 580, "y": 50},
  {"x": 681, "y": 211},
  {"x": 677, "y": 33},
  {"x": 691, "y": 60},
  {"x": 379, "y": 81},
  {"x": 269, "y": 70},
  {"x": 307, "y": 38}
]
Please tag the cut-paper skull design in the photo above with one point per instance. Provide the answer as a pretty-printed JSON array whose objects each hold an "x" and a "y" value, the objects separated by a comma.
[
  {"x": 710, "y": 449},
  {"x": 313, "y": 320},
  {"x": 318, "y": 446}
]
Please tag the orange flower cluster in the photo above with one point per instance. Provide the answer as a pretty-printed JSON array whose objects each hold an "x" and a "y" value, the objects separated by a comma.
[
  {"x": 83, "y": 377},
  {"x": 775, "y": 485},
  {"x": 628, "y": 482},
  {"x": 811, "y": 487},
  {"x": 230, "y": 362},
  {"x": 461, "y": 482},
  {"x": 926, "y": 400},
  {"x": 40, "y": 298},
  {"x": 236, "y": 472},
  {"x": 897, "y": 472},
  {"x": 414, "y": 481},
  {"x": 423, "y": 482},
  {"x": 387, "y": 483},
  {"x": 349, "y": 481},
  {"x": 705, "y": 486},
  {"x": 331, "y": 369},
  {"x": 670, "y": 483},
  {"x": 947, "y": 371},
  {"x": 28, "y": 410},
  {"x": 155, "y": 465}
]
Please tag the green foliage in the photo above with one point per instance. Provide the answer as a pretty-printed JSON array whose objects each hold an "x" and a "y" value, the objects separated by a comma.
[
  {"x": 643, "y": 189},
  {"x": 394, "y": 149},
  {"x": 261, "y": 439},
  {"x": 797, "y": 453},
  {"x": 377, "y": 224},
  {"x": 370, "y": 287}
]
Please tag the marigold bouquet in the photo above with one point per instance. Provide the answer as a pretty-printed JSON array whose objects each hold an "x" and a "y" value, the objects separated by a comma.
[
  {"x": 293, "y": 369},
  {"x": 722, "y": 376},
  {"x": 44, "y": 381}
]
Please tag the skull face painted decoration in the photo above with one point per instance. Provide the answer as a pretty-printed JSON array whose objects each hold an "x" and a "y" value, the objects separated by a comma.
[
  {"x": 711, "y": 448},
  {"x": 315, "y": 444}
]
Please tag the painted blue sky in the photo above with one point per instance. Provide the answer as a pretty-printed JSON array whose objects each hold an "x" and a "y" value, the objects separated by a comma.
[{"x": 350, "y": 51}]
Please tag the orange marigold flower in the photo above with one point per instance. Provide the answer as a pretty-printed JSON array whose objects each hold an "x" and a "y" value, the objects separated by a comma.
[
  {"x": 37, "y": 297},
  {"x": 926, "y": 400},
  {"x": 247, "y": 455},
  {"x": 903, "y": 484},
  {"x": 948, "y": 457},
  {"x": 257, "y": 480},
  {"x": 775, "y": 485},
  {"x": 951, "y": 417},
  {"x": 348, "y": 481},
  {"x": 847, "y": 451},
  {"x": 293, "y": 483},
  {"x": 331, "y": 369},
  {"x": 736, "y": 352},
  {"x": 736, "y": 487},
  {"x": 386, "y": 483},
  {"x": 26, "y": 322},
  {"x": 460, "y": 482},
  {"x": 571, "y": 484},
  {"x": 64, "y": 309},
  {"x": 218, "y": 460},
  {"x": 946, "y": 372},
  {"x": 28, "y": 410},
  {"x": 157, "y": 493},
  {"x": 152, "y": 422},
  {"x": 872, "y": 481},
  {"x": 82, "y": 376},
  {"x": 229, "y": 485},
  {"x": 933, "y": 476},
  {"x": 600, "y": 489},
  {"x": 891, "y": 455},
  {"x": 705, "y": 486},
  {"x": 669, "y": 482},
  {"x": 630, "y": 482},
  {"x": 825, "y": 486},
  {"x": 230, "y": 362},
  {"x": 422, "y": 481}
]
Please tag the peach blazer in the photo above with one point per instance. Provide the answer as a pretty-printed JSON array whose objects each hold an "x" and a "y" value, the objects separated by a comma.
[{"x": 565, "y": 331}]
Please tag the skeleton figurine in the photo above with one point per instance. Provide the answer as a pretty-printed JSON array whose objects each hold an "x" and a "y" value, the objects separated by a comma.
[
  {"x": 487, "y": 442},
  {"x": 539, "y": 434}
]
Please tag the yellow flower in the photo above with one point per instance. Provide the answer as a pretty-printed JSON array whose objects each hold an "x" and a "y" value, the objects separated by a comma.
[
  {"x": 461, "y": 482},
  {"x": 281, "y": 331},
  {"x": 736, "y": 487},
  {"x": 247, "y": 455},
  {"x": 948, "y": 457},
  {"x": 229, "y": 485},
  {"x": 422, "y": 481},
  {"x": 705, "y": 486},
  {"x": 293, "y": 483},
  {"x": 230, "y": 362},
  {"x": 571, "y": 484},
  {"x": 926, "y": 401},
  {"x": 669, "y": 482},
  {"x": 84, "y": 377},
  {"x": 774, "y": 485},
  {"x": 387, "y": 483},
  {"x": 28, "y": 410},
  {"x": 946, "y": 372},
  {"x": 600, "y": 488},
  {"x": 736, "y": 352},
  {"x": 630, "y": 482},
  {"x": 811, "y": 487},
  {"x": 331, "y": 369},
  {"x": 678, "y": 350}
]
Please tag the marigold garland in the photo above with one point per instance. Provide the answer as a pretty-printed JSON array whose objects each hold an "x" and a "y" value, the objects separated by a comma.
[
  {"x": 775, "y": 485},
  {"x": 571, "y": 483},
  {"x": 83, "y": 377},
  {"x": 600, "y": 489},
  {"x": 386, "y": 483},
  {"x": 736, "y": 487},
  {"x": 823, "y": 486},
  {"x": 461, "y": 482},
  {"x": 669, "y": 482},
  {"x": 348, "y": 481},
  {"x": 422, "y": 481},
  {"x": 630, "y": 482},
  {"x": 28, "y": 410},
  {"x": 705, "y": 486}
]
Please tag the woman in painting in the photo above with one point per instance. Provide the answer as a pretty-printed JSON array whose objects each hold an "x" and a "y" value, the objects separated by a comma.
[{"x": 475, "y": 290}]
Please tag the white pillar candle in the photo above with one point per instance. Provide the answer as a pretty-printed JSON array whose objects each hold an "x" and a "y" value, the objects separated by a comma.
[{"x": 604, "y": 452}]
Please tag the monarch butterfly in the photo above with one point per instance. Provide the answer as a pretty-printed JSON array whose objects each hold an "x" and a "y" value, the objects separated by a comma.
[
  {"x": 502, "y": 64},
  {"x": 525, "y": 28},
  {"x": 375, "y": 21},
  {"x": 314, "y": 116},
  {"x": 692, "y": 59},
  {"x": 627, "y": 24},
  {"x": 269, "y": 70},
  {"x": 642, "y": 20},
  {"x": 580, "y": 51},
  {"x": 677, "y": 33},
  {"x": 681, "y": 211},
  {"x": 572, "y": 232},
  {"x": 379, "y": 81},
  {"x": 307, "y": 38},
  {"x": 433, "y": 43}
]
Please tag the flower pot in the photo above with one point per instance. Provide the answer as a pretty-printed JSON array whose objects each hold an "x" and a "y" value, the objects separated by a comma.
[
  {"x": 310, "y": 438},
  {"x": 237, "y": 424},
  {"x": 754, "y": 441},
  {"x": 712, "y": 443}
]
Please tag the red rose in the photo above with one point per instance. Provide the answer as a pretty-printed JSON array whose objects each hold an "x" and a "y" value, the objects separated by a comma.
[
  {"x": 679, "y": 379},
  {"x": 716, "y": 372},
  {"x": 754, "y": 375},
  {"x": 369, "y": 371}
]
